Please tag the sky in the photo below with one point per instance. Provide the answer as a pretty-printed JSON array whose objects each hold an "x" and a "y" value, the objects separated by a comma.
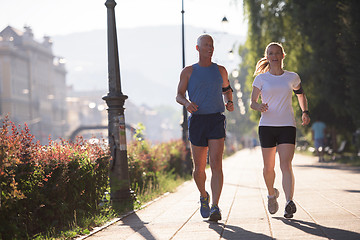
[
  {"x": 62, "y": 20},
  {"x": 61, "y": 17}
]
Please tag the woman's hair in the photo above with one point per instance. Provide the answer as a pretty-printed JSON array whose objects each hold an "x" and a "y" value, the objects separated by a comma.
[{"x": 262, "y": 65}]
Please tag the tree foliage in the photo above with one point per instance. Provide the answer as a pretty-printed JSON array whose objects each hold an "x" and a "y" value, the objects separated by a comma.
[
  {"x": 321, "y": 40},
  {"x": 238, "y": 122}
]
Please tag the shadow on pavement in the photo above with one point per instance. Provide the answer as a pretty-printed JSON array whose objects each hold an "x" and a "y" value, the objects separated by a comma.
[
  {"x": 235, "y": 232},
  {"x": 352, "y": 191},
  {"x": 319, "y": 230},
  {"x": 137, "y": 225},
  {"x": 326, "y": 166}
]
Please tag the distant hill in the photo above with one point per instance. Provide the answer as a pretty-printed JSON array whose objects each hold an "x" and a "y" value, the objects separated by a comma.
[{"x": 150, "y": 60}]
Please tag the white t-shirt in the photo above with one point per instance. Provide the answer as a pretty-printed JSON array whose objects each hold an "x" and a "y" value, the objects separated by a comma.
[{"x": 276, "y": 91}]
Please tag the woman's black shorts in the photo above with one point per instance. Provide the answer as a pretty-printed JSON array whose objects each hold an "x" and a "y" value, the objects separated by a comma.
[{"x": 272, "y": 136}]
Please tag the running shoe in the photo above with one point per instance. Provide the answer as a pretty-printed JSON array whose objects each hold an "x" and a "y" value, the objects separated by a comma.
[
  {"x": 205, "y": 208},
  {"x": 290, "y": 209},
  {"x": 215, "y": 214},
  {"x": 273, "y": 205}
]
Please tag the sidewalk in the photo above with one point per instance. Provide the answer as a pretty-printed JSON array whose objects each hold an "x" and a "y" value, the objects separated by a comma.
[{"x": 327, "y": 197}]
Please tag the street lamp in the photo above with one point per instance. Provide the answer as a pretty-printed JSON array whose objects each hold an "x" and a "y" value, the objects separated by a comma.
[
  {"x": 184, "y": 123},
  {"x": 119, "y": 174},
  {"x": 224, "y": 20},
  {"x": 185, "y": 114}
]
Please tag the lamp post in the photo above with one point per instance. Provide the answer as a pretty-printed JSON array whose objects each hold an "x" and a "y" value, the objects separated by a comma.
[
  {"x": 119, "y": 174},
  {"x": 184, "y": 124},
  {"x": 185, "y": 114}
]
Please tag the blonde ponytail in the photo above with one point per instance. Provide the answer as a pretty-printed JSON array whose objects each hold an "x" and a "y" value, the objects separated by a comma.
[{"x": 262, "y": 66}]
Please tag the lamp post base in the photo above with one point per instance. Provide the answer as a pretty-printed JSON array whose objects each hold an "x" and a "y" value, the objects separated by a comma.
[{"x": 119, "y": 175}]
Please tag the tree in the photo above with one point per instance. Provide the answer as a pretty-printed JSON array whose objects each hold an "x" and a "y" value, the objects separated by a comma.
[
  {"x": 349, "y": 51},
  {"x": 238, "y": 121},
  {"x": 321, "y": 38}
]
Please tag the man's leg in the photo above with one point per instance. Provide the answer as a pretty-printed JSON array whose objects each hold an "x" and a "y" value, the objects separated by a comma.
[
  {"x": 216, "y": 149},
  {"x": 199, "y": 159},
  {"x": 321, "y": 151}
]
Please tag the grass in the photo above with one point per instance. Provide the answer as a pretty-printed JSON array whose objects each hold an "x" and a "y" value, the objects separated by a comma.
[
  {"x": 81, "y": 227},
  {"x": 168, "y": 182},
  {"x": 347, "y": 158}
]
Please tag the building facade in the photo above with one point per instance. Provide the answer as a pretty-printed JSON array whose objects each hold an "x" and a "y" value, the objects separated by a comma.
[{"x": 32, "y": 84}]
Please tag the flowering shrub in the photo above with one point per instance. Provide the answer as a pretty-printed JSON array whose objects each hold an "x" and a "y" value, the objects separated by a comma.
[
  {"x": 147, "y": 161},
  {"x": 47, "y": 186}
]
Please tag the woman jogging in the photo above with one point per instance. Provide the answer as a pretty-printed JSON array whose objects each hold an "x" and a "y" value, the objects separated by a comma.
[{"x": 277, "y": 129}]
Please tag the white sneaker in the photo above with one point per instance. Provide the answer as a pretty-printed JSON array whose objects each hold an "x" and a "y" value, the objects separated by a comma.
[{"x": 273, "y": 205}]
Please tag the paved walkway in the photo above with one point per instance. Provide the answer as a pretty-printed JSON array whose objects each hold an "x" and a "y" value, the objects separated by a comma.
[{"x": 327, "y": 197}]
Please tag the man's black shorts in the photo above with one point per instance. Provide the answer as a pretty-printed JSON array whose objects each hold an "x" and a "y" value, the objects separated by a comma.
[
  {"x": 203, "y": 127},
  {"x": 272, "y": 136}
]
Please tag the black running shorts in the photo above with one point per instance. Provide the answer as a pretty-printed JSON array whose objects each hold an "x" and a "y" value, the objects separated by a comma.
[
  {"x": 272, "y": 136},
  {"x": 203, "y": 127}
]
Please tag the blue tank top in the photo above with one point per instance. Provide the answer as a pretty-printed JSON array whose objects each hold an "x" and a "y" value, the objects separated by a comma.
[{"x": 205, "y": 89}]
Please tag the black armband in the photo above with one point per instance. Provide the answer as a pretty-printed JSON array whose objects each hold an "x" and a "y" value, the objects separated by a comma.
[
  {"x": 227, "y": 89},
  {"x": 299, "y": 91}
]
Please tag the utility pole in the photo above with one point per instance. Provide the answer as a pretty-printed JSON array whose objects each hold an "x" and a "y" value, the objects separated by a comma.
[{"x": 119, "y": 173}]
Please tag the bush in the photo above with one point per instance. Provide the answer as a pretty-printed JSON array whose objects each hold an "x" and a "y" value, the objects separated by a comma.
[
  {"x": 44, "y": 187},
  {"x": 146, "y": 162}
]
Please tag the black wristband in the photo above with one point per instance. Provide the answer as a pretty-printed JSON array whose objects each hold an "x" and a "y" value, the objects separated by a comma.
[
  {"x": 306, "y": 111},
  {"x": 230, "y": 101},
  {"x": 227, "y": 88}
]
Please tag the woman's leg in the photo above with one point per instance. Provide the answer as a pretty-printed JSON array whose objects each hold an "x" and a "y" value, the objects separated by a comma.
[
  {"x": 268, "y": 170},
  {"x": 286, "y": 154}
]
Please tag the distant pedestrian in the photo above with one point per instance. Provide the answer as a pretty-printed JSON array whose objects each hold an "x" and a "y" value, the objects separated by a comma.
[
  {"x": 206, "y": 84},
  {"x": 318, "y": 134},
  {"x": 277, "y": 129}
]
